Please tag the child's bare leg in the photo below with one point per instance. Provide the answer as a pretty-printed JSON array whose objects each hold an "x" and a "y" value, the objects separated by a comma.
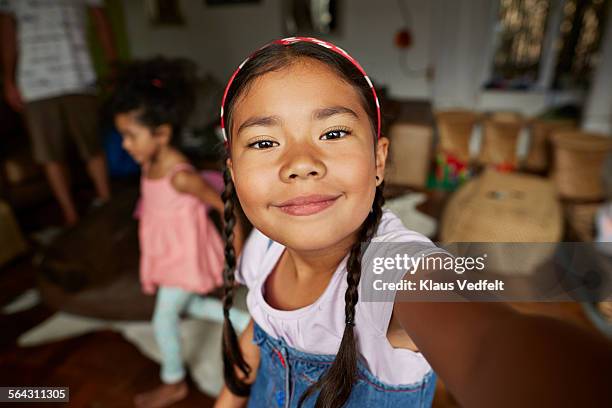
[{"x": 169, "y": 304}]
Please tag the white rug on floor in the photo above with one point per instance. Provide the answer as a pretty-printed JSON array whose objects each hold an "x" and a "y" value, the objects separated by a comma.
[
  {"x": 405, "y": 208},
  {"x": 201, "y": 342},
  {"x": 25, "y": 301}
]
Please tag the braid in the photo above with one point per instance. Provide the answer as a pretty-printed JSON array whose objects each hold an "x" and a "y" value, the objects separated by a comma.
[
  {"x": 336, "y": 385},
  {"x": 232, "y": 354}
]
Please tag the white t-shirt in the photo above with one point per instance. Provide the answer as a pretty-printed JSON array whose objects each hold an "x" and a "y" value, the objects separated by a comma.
[
  {"x": 53, "y": 55},
  {"x": 318, "y": 328}
]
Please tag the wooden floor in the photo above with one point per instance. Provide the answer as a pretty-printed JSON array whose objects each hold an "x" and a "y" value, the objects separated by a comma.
[
  {"x": 104, "y": 370},
  {"x": 101, "y": 369}
]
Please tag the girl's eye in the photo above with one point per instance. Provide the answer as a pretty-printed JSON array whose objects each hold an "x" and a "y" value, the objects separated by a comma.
[
  {"x": 262, "y": 144},
  {"x": 335, "y": 134}
]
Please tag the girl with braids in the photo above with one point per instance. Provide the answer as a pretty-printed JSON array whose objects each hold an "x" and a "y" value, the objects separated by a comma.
[
  {"x": 305, "y": 161},
  {"x": 181, "y": 251}
]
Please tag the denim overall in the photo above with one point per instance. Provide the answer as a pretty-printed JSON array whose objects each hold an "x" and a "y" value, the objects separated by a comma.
[{"x": 285, "y": 373}]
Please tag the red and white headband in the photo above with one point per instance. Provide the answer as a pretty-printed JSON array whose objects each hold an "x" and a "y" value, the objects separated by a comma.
[{"x": 292, "y": 40}]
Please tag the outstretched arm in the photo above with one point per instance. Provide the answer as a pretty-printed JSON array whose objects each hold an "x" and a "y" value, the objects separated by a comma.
[{"x": 489, "y": 355}]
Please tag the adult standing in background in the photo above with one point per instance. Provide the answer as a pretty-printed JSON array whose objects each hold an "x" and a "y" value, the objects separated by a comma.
[{"x": 49, "y": 76}]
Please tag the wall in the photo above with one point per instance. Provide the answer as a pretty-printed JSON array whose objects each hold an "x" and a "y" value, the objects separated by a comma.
[
  {"x": 220, "y": 37},
  {"x": 215, "y": 37}
]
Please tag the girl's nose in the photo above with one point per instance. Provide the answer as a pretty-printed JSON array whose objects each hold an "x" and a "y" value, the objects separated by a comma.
[{"x": 302, "y": 164}]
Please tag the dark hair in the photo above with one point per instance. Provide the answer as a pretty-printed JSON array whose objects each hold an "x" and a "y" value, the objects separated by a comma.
[
  {"x": 336, "y": 384},
  {"x": 276, "y": 57},
  {"x": 161, "y": 90}
]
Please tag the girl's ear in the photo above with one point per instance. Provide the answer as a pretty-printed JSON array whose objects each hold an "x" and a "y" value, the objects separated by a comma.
[
  {"x": 382, "y": 148},
  {"x": 229, "y": 165},
  {"x": 163, "y": 133}
]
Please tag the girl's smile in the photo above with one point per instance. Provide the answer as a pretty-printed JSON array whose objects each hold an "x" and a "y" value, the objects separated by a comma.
[{"x": 307, "y": 205}]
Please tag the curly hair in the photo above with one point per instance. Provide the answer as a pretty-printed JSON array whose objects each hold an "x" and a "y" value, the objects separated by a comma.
[{"x": 159, "y": 90}]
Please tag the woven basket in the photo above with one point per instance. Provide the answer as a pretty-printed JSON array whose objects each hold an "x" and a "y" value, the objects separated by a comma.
[
  {"x": 538, "y": 157},
  {"x": 580, "y": 218},
  {"x": 578, "y": 164},
  {"x": 409, "y": 154},
  {"x": 505, "y": 207},
  {"x": 505, "y": 116},
  {"x": 500, "y": 138},
  {"x": 455, "y": 130}
]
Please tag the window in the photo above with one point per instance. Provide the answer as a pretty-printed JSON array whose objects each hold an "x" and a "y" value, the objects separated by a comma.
[
  {"x": 310, "y": 17},
  {"x": 520, "y": 37},
  {"x": 538, "y": 39},
  {"x": 578, "y": 42}
]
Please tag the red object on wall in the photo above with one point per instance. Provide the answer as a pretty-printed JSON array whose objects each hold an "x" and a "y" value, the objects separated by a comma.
[{"x": 403, "y": 39}]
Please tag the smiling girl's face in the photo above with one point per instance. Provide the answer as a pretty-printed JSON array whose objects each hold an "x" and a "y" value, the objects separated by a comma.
[{"x": 303, "y": 159}]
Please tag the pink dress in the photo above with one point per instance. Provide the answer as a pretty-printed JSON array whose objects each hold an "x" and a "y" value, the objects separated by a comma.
[{"x": 179, "y": 244}]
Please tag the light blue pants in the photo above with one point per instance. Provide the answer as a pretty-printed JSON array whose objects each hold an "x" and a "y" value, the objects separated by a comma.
[{"x": 169, "y": 305}]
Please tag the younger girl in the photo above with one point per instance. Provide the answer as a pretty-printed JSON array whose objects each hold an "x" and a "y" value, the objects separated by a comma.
[
  {"x": 181, "y": 251},
  {"x": 306, "y": 161}
]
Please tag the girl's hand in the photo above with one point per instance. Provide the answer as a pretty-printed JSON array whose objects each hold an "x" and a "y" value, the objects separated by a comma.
[{"x": 250, "y": 352}]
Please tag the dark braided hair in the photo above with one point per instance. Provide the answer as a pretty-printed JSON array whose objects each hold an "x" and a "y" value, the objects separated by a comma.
[
  {"x": 159, "y": 90},
  {"x": 232, "y": 356},
  {"x": 336, "y": 384}
]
